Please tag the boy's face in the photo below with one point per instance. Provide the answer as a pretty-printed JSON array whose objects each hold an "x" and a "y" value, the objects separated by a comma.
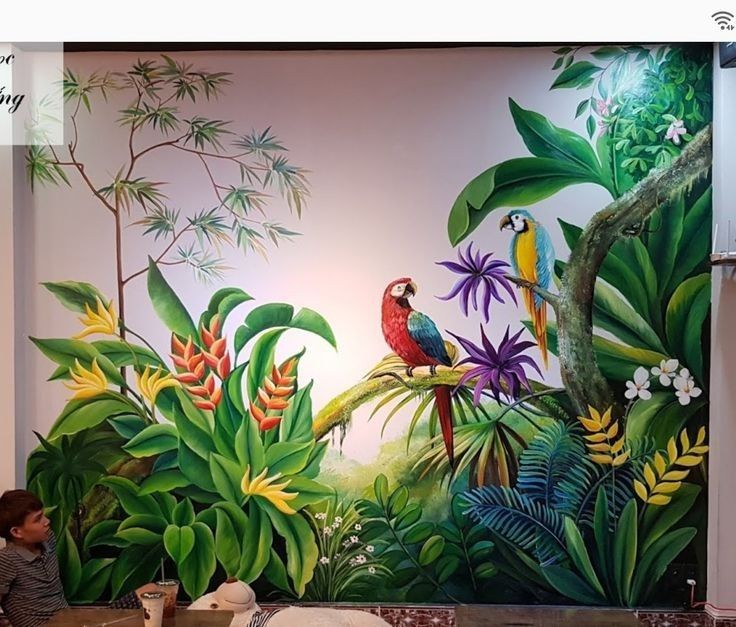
[{"x": 35, "y": 528}]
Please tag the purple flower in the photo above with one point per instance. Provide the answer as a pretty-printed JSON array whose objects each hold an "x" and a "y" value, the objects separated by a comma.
[
  {"x": 477, "y": 272},
  {"x": 501, "y": 368}
]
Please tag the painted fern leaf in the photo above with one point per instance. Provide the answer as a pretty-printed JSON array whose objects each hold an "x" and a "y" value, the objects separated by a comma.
[
  {"x": 553, "y": 452},
  {"x": 525, "y": 523}
]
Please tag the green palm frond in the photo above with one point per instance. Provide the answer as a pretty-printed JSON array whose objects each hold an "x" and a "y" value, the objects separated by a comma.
[
  {"x": 527, "y": 524},
  {"x": 243, "y": 200},
  {"x": 277, "y": 232},
  {"x": 161, "y": 221},
  {"x": 259, "y": 144},
  {"x": 390, "y": 363},
  {"x": 161, "y": 117},
  {"x": 547, "y": 461},
  {"x": 140, "y": 190},
  {"x": 77, "y": 86},
  {"x": 211, "y": 226},
  {"x": 249, "y": 239},
  {"x": 291, "y": 181},
  {"x": 206, "y": 132},
  {"x": 41, "y": 167},
  {"x": 206, "y": 267}
]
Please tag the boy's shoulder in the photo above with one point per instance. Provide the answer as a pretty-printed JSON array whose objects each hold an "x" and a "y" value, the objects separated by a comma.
[{"x": 11, "y": 551}]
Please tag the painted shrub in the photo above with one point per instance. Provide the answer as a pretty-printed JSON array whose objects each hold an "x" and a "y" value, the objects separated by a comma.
[{"x": 210, "y": 459}]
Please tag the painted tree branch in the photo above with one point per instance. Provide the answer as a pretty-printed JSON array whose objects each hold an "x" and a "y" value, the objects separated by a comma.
[
  {"x": 340, "y": 409},
  {"x": 545, "y": 295},
  {"x": 622, "y": 218}
]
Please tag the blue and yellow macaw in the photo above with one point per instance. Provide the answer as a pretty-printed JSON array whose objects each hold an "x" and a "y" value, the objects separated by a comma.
[{"x": 532, "y": 259}]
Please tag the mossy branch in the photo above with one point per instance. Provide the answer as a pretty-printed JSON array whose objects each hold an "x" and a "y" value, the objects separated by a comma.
[
  {"x": 624, "y": 217},
  {"x": 340, "y": 409},
  {"x": 545, "y": 295}
]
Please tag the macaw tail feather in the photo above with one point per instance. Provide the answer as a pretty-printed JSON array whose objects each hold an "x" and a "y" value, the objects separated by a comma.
[
  {"x": 442, "y": 395},
  {"x": 538, "y": 314}
]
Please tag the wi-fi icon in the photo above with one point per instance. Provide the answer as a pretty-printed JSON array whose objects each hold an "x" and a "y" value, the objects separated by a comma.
[{"x": 723, "y": 19}]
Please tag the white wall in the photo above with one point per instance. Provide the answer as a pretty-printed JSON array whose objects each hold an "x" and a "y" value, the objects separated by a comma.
[
  {"x": 7, "y": 327},
  {"x": 722, "y": 464},
  {"x": 388, "y": 154}
]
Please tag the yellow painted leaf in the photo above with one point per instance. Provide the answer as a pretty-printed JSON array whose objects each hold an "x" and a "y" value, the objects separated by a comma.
[
  {"x": 590, "y": 425},
  {"x": 606, "y": 418},
  {"x": 641, "y": 490},
  {"x": 659, "y": 463},
  {"x": 667, "y": 487},
  {"x": 689, "y": 460},
  {"x": 650, "y": 476},
  {"x": 603, "y": 447},
  {"x": 684, "y": 441},
  {"x": 701, "y": 436},
  {"x": 659, "y": 499},
  {"x": 613, "y": 431},
  {"x": 699, "y": 450},
  {"x": 675, "y": 475},
  {"x": 621, "y": 459},
  {"x": 602, "y": 459},
  {"x": 672, "y": 450},
  {"x": 593, "y": 413},
  {"x": 618, "y": 445},
  {"x": 596, "y": 437}
]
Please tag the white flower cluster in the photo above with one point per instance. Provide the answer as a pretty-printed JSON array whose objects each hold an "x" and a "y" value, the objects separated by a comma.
[
  {"x": 352, "y": 542},
  {"x": 682, "y": 381}
]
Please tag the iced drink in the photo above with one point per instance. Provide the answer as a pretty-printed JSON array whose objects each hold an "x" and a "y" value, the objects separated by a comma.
[
  {"x": 170, "y": 588},
  {"x": 153, "y": 608}
]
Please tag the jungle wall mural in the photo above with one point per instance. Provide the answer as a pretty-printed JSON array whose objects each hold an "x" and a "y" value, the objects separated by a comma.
[{"x": 554, "y": 453}]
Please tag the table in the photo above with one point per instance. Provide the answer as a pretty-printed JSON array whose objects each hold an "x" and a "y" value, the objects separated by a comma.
[
  {"x": 542, "y": 616},
  {"x": 78, "y": 617}
]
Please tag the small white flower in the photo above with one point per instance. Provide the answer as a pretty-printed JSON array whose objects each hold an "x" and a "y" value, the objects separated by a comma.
[
  {"x": 320, "y": 516},
  {"x": 370, "y": 548},
  {"x": 338, "y": 520},
  {"x": 666, "y": 371},
  {"x": 346, "y": 543},
  {"x": 354, "y": 539},
  {"x": 335, "y": 525},
  {"x": 324, "y": 560},
  {"x": 327, "y": 531},
  {"x": 357, "y": 527},
  {"x": 372, "y": 570},
  {"x": 674, "y": 131},
  {"x": 337, "y": 555},
  {"x": 361, "y": 559},
  {"x": 686, "y": 388},
  {"x": 639, "y": 386}
]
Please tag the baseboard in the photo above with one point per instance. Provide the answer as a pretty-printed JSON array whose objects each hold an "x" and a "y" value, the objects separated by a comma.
[{"x": 720, "y": 614}]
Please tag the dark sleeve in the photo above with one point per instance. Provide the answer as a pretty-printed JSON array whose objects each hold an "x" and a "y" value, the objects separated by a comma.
[{"x": 7, "y": 573}]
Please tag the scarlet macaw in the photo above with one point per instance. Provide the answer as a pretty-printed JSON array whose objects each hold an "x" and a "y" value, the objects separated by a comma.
[
  {"x": 414, "y": 337},
  {"x": 532, "y": 259}
]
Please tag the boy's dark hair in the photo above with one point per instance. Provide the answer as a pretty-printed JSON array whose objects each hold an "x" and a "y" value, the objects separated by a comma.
[{"x": 15, "y": 505}]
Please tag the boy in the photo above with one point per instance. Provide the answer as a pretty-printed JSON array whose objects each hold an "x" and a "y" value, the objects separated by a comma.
[{"x": 30, "y": 587}]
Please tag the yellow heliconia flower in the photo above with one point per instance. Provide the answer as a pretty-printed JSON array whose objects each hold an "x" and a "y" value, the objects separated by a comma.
[
  {"x": 88, "y": 383},
  {"x": 104, "y": 320},
  {"x": 260, "y": 486},
  {"x": 151, "y": 384}
]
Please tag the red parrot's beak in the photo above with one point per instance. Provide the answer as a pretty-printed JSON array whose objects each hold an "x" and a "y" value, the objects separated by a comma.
[
  {"x": 410, "y": 289},
  {"x": 505, "y": 223}
]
